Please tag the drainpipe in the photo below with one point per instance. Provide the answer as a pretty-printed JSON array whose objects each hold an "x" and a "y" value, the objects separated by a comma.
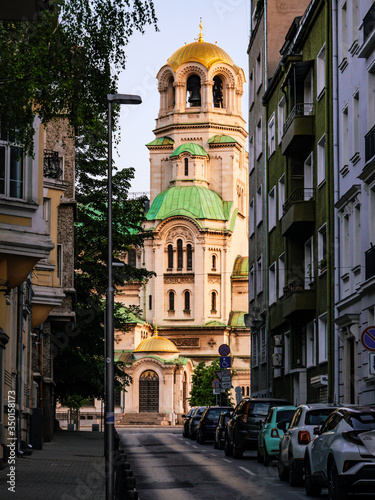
[
  {"x": 329, "y": 202},
  {"x": 336, "y": 162},
  {"x": 20, "y": 299},
  {"x": 28, "y": 400}
]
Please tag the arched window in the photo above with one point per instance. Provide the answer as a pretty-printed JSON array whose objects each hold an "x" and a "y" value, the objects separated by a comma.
[
  {"x": 213, "y": 302},
  {"x": 150, "y": 302},
  {"x": 193, "y": 86},
  {"x": 170, "y": 94},
  {"x": 132, "y": 259},
  {"x": 170, "y": 257},
  {"x": 189, "y": 257},
  {"x": 217, "y": 92},
  {"x": 179, "y": 254},
  {"x": 186, "y": 166},
  {"x": 187, "y": 301},
  {"x": 171, "y": 301},
  {"x": 213, "y": 263}
]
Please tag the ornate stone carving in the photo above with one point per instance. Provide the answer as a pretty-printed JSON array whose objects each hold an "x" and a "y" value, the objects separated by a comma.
[
  {"x": 214, "y": 279},
  {"x": 186, "y": 342},
  {"x": 179, "y": 231},
  {"x": 180, "y": 278}
]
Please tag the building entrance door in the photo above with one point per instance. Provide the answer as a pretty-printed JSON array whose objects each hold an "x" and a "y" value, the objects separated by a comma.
[{"x": 149, "y": 392}]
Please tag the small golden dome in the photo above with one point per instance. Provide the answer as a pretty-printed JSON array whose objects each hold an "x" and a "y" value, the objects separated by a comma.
[
  {"x": 156, "y": 344},
  {"x": 202, "y": 52}
]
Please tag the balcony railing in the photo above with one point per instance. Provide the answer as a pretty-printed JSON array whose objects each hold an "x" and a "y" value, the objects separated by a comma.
[
  {"x": 301, "y": 194},
  {"x": 51, "y": 164},
  {"x": 368, "y": 22},
  {"x": 370, "y": 263},
  {"x": 370, "y": 144},
  {"x": 301, "y": 109},
  {"x": 296, "y": 285}
]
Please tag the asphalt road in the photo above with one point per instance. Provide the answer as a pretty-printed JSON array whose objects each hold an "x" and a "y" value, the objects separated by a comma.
[{"x": 168, "y": 466}]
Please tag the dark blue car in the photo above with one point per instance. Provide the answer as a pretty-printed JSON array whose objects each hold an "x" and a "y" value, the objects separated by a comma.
[{"x": 206, "y": 426}]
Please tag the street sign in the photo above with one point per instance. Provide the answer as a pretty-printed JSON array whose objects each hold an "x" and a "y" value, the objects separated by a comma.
[
  {"x": 226, "y": 378},
  {"x": 217, "y": 388},
  {"x": 215, "y": 381},
  {"x": 368, "y": 338},
  {"x": 219, "y": 375},
  {"x": 226, "y": 385},
  {"x": 372, "y": 363},
  {"x": 225, "y": 362},
  {"x": 224, "y": 350}
]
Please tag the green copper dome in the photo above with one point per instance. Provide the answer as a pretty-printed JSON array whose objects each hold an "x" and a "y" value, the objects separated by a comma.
[
  {"x": 191, "y": 201},
  {"x": 189, "y": 147},
  {"x": 221, "y": 139},
  {"x": 241, "y": 267}
]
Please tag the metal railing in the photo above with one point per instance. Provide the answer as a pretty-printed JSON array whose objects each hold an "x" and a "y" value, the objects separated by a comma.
[
  {"x": 370, "y": 263},
  {"x": 300, "y": 109},
  {"x": 370, "y": 144},
  {"x": 369, "y": 22},
  {"x": 51, "y": 164},
  {"x": 300, "y": 194}
]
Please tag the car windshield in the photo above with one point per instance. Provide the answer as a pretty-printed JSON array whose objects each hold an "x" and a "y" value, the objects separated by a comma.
[
  {"x": 214, "y": 413},
  {"x": 363, "y": 422},
  {"x": 284, "y": 415},
  {"x": 200, "y": 410},
  {"x": 260, "y": 409},
  {"x": 317, "y": 417}
]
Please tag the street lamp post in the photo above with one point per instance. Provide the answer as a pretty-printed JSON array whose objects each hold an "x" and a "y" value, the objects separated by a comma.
[{"x": 109, "y": 427}]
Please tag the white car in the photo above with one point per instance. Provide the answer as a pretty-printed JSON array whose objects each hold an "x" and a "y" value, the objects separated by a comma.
[
  {"x": 297, "y": 437},
  {"x": 342, "y": 456}
]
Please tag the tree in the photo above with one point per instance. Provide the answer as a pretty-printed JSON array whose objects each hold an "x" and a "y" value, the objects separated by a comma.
[
  {"x": 201, "y": 393},
  {"x": 66, "y": 63}
]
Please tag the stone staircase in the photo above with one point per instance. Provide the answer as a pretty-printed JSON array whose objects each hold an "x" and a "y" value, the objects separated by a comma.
[{"x": 142, "y": 419}]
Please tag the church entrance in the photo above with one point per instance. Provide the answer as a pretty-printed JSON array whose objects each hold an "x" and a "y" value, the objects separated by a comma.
[{"x": 149, "y": 392}]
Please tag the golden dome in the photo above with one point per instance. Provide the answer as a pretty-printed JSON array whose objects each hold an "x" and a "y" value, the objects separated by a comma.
[
  {"x": 202, "y": 52},
  {"x": 156, "y": 344}
]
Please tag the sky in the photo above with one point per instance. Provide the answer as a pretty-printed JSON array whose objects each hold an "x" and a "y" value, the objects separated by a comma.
[{"x": 226, "y": 22}]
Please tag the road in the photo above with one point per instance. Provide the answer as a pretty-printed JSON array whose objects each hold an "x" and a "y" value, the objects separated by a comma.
[{"x": 168, "y": 466}]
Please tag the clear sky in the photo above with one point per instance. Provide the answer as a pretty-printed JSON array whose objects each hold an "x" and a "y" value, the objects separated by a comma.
[{"x": 226, "y": 22}]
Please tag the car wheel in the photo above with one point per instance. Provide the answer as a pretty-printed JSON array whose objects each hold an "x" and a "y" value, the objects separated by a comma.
[
  {"x": 294, "y": 478},
  {"x": 221, "y": 445},
  {"x": 201, "y": 437},
  {"x": 335, "y": 491},
  {"x": 237, "y": 451},
  {"x": 312, "y": 489},
  {"x": 259, "y": 457},
  {"x": 228, "y": 449},
  {"x": 283, "y": 472}
]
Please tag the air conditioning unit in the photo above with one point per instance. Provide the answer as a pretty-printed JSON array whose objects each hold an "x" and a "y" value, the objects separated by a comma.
[
  {"x": 277, "y": 359},
  {"x": 319, "y": 381},
  {"x": 278, "y": 339}
]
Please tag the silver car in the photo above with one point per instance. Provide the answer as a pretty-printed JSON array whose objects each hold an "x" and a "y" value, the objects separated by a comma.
[
  {"x": 299, "y": 434},
  {"x": 342, "y": 456}
]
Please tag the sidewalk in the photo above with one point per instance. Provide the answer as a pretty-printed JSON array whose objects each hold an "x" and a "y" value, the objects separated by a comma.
[{"x": 71, "y": 467}]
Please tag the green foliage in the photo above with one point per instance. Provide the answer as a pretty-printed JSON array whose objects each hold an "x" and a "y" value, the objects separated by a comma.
[
  {"x": 66, "y": 63},
  {"x": 202, "y": 391}
]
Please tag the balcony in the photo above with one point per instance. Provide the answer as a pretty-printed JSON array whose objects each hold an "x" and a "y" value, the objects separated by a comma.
[
  {"x": 299, "y": 212},
  {"x": 299, "y": 302},
  {"x": 370, "y": 263},
  {"x": 51, "y": 165},
  {"x": 370, "y": 145},
  {"x": 299, "y": 130}
]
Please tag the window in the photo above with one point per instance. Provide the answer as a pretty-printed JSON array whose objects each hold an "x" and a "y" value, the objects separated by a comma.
[
  {"x": 11, "y": 171},
  {"x": 150, "y": 302},
  {"x": 259, "y": 275},
  {"x": 345, "y": 238},
  {"x": 280, "y": 119},
  {"x": 251, "y": 154},
  {"x": 213, "y": 263},
  {"x": 47, "y": 213},
  {"x": 271, "y": 135},
  {"x": 308, "y": 178},
  {"x": 323, "y": 338},
  {"x": 263, "y": 345},
  {"x": 171, "y": 301},
  {"x": 281, "y": 276},
  {"x": 187, "y": 301},
  {"x": 251, "y": 218},
  {"x": 189, "y": 257},
  {"x": 251, "y": 284},
  {"x": 258, "y": 139},
  {"x": 251, "y": 88},
  {"x": 286, "y": 353},
  {"x": 309, "y": 262},
  {"x": 132, "y": 256},
  {"x": 356, "y": 125},
  {"x": 310, "y": 344},
  {"x": 343, "y": 31},
  {"x": 170, "y": 93},
  {"x": 345, "y": 138},
  {"x": 258, "y": 72},
  {"x": 170, "y": 257},
  {"x": 193, "y": 87},
  {"x": 59, "y": 263},
  {"x": 281, "y": 189},
  {"x": 254, "y": 349},
  {"x": 217, "y": 92},
  {"x": 321, "y": 167},
  {"x": 272, "y": 209},
  {"x": 186, "y": 166},
  {"x": 357, "y": 253},
  {"x": 259, "y": 206},
  {"x": 322, "y": 248},
  {"x": 355, "y": 20},
  {"x": 371, "y": 215},
  {"x": 272, "y": 284},
  {"x": 179, "y": 254},
  {"x": 213, "y": 302},
  {"x": 321, "y": 72}
]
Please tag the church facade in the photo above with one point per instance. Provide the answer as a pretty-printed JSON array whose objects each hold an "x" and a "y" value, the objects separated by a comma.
[{"x": 198, "y": 245}]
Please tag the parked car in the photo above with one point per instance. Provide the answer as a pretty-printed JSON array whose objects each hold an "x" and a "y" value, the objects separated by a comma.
[
  {"x": 219, "y": 438},
  {"x": 342, "y": 455},
  {"x": 195, "y": 417},
  {"x": 276, "y": 423},
  {"x": 206, "y": 426},
  {"x": 242, "y": 430},
  {"x": 185, "y": 429},
  {"x": 297, "y": 437}
]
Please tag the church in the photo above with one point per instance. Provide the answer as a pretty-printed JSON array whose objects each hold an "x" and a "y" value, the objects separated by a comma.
[{"x": 198, "y": 245}]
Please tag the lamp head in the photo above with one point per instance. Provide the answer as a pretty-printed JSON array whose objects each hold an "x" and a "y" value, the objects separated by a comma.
[{"x": 124, "y": 99}]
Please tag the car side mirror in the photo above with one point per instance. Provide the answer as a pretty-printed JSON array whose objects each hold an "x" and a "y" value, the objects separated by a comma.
[{"x": 316, "y": 430}]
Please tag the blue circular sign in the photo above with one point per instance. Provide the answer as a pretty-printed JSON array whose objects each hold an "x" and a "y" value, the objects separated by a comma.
[
  {"x": 224, "y": 350},
  {"x": 368, "y": 338}
]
